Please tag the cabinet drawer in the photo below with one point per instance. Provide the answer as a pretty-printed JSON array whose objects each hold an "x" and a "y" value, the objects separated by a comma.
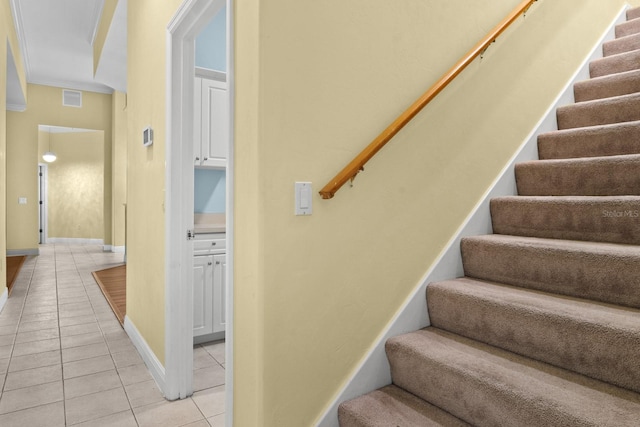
[{"x": 208, "y": 246}]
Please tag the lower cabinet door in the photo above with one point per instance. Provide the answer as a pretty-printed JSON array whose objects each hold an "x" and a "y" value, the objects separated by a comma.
[
  {"x": 219, "y": 292},
  {"x": 203, "y": 269}
]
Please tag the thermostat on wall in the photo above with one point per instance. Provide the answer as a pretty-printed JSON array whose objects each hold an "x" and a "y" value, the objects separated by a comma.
[{"x": 147, "y": 136}]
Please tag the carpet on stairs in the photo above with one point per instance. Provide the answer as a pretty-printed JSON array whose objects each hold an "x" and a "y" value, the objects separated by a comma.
[{"x": 544, "y": 327}]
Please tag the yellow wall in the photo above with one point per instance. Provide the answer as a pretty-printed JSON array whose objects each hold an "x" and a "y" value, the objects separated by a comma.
[
  {"x": 119, "y": 167},
  {"x": 146, "y": 87},
  {"x": 316, "y": 81},
  {"x": 44, "y": 106},
  {"x": 75, "y": 184}
]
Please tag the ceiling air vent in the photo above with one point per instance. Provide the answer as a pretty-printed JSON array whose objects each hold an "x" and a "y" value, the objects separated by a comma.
[{"x": 71, "y": 98}]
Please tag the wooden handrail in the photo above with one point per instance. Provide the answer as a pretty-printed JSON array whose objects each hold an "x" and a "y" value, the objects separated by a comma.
[{"x": 357, "y": 164}]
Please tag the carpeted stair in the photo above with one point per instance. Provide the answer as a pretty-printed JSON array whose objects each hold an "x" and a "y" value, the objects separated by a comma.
[{"x": 544, "y": 329}]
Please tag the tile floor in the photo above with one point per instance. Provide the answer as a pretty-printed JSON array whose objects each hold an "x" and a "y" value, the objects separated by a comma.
[{"x": 66, "y": 361}]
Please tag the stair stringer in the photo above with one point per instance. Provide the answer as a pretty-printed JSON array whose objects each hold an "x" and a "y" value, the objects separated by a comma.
[{"x": 373, "y": 372}]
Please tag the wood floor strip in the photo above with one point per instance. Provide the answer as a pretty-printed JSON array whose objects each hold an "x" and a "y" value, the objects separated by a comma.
[
  {"x": 113, "y": 283},
  {"x": 14, "y": 264}
]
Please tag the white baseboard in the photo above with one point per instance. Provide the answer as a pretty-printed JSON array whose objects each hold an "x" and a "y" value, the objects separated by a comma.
[
  {"x": 117, "y": 249},
  {"x": 74, "y": 241},
  {"x": 148, "y": 356},
  {"x": 3, "y": 298},
  {"x": 373, "y": 371},
  {"x": 18, "y": 252}
]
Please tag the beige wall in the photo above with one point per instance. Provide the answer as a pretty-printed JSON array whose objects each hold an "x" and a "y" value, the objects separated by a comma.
[
  {"x": 316, "y": 81},
  {"x": 119, "y": 167},
  {"x": 75, "y": 184},
  {"x": 146, "y": 87},
  {"x": 44, "y": 106}
]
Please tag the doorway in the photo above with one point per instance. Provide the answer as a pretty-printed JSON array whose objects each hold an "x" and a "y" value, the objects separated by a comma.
[{"x": 191, "y": 18}]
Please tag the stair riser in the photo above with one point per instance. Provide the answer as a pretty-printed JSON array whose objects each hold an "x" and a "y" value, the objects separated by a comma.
[
  {"x": 607, "y": 276},
  {"x": 610, "y": 110},
  {"x": 607, "y": 87},
  {"x": 621, "y": 45},
  {"x": 633, "y": 13},
  {"x": 590, "y": 348},
  {"x": 615, "y": 64},
  {"x": 615, "y": 176},
  {"x": 594, "y": 220},
  {"x": 628, "y": 28},
  {"x": 592, "y": 142}
]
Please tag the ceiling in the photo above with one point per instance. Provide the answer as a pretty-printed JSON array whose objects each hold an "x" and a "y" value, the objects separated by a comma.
[{"x": 56, "y": 39}]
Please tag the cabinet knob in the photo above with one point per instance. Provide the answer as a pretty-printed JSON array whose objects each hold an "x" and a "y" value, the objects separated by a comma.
[
  {"x": 217, "y": 262},
  {"x": 213, "y": 243},
  {"x": 209, "y": 263},
  {"x": 197, "y": 158},
  {"x": 206, "y": 158}
]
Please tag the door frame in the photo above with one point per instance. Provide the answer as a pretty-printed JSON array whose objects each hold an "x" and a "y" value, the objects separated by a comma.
[
  {"x": 43, "y": 170},
  {"x": 190, "y": 18}
]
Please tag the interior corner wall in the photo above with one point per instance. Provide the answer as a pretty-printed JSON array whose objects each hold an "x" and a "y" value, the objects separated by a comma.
[
  {"x": 119, "y": 167},
  {"x": 315, "y": 83},
  {"x": 146, "y": 102},
  {"x": 44, "y": 106}
]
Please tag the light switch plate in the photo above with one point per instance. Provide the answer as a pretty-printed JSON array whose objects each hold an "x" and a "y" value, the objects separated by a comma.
[
  {"x": 304, "y": 199},
  {"x": 22, "y": 200}
]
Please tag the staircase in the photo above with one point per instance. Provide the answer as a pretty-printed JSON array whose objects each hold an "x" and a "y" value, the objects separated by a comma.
[{"x": 544, "y": 329}]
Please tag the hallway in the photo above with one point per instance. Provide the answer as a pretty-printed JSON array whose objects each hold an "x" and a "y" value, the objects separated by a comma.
[{"x": 65, "y": 360}]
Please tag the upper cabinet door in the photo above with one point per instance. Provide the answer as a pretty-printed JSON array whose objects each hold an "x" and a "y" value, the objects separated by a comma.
[{"x": 215, "y": 123}]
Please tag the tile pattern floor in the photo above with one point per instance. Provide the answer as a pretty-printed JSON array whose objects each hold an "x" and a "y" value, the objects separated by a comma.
[{"x": 66, "y": 361}]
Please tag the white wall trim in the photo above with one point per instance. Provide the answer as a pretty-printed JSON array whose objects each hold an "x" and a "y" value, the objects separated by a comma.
[
  {"x": 117, "y": 249},
  {"x": 373, "y": 371},
  {"x": 148, "y": 356},
  {"x": 3, "y": 299},
  {"x": 75, "y": 241},
  {"x": 18, "y": 252}
]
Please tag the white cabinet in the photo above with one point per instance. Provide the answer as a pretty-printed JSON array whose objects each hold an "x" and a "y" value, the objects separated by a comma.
[
  {"x": 209, "y": 286},
  {"x": 211, "y": 124},
  {"x": 219, "y": 296},
  {"x": 202, "y": 295}
]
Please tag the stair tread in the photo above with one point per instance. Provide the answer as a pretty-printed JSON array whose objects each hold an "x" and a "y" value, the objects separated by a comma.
[
  {"x": 391, "y": 405},
  {"x": 595, "y": 339},
  {"x": 621, "y": 44},
  {"x": 608, "y": 86},
  {"x": 596, "y": 176},
  {"x": 616, "y": 63},
  {"x": 591, "y": 141},
  {"x": 605, "y": 272},
  {"x": 622, "y": 108},
  {"x": 587, "y": 249},
  {"x": 545, "y": 303},
  {"x": 631, "y": 26},
  {"x": 614, "y": 219},
  {"x": 506, "y": 389}
]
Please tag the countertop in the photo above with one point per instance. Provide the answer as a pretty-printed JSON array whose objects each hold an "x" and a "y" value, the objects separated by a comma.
[{"x": 209, "y": 223}]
